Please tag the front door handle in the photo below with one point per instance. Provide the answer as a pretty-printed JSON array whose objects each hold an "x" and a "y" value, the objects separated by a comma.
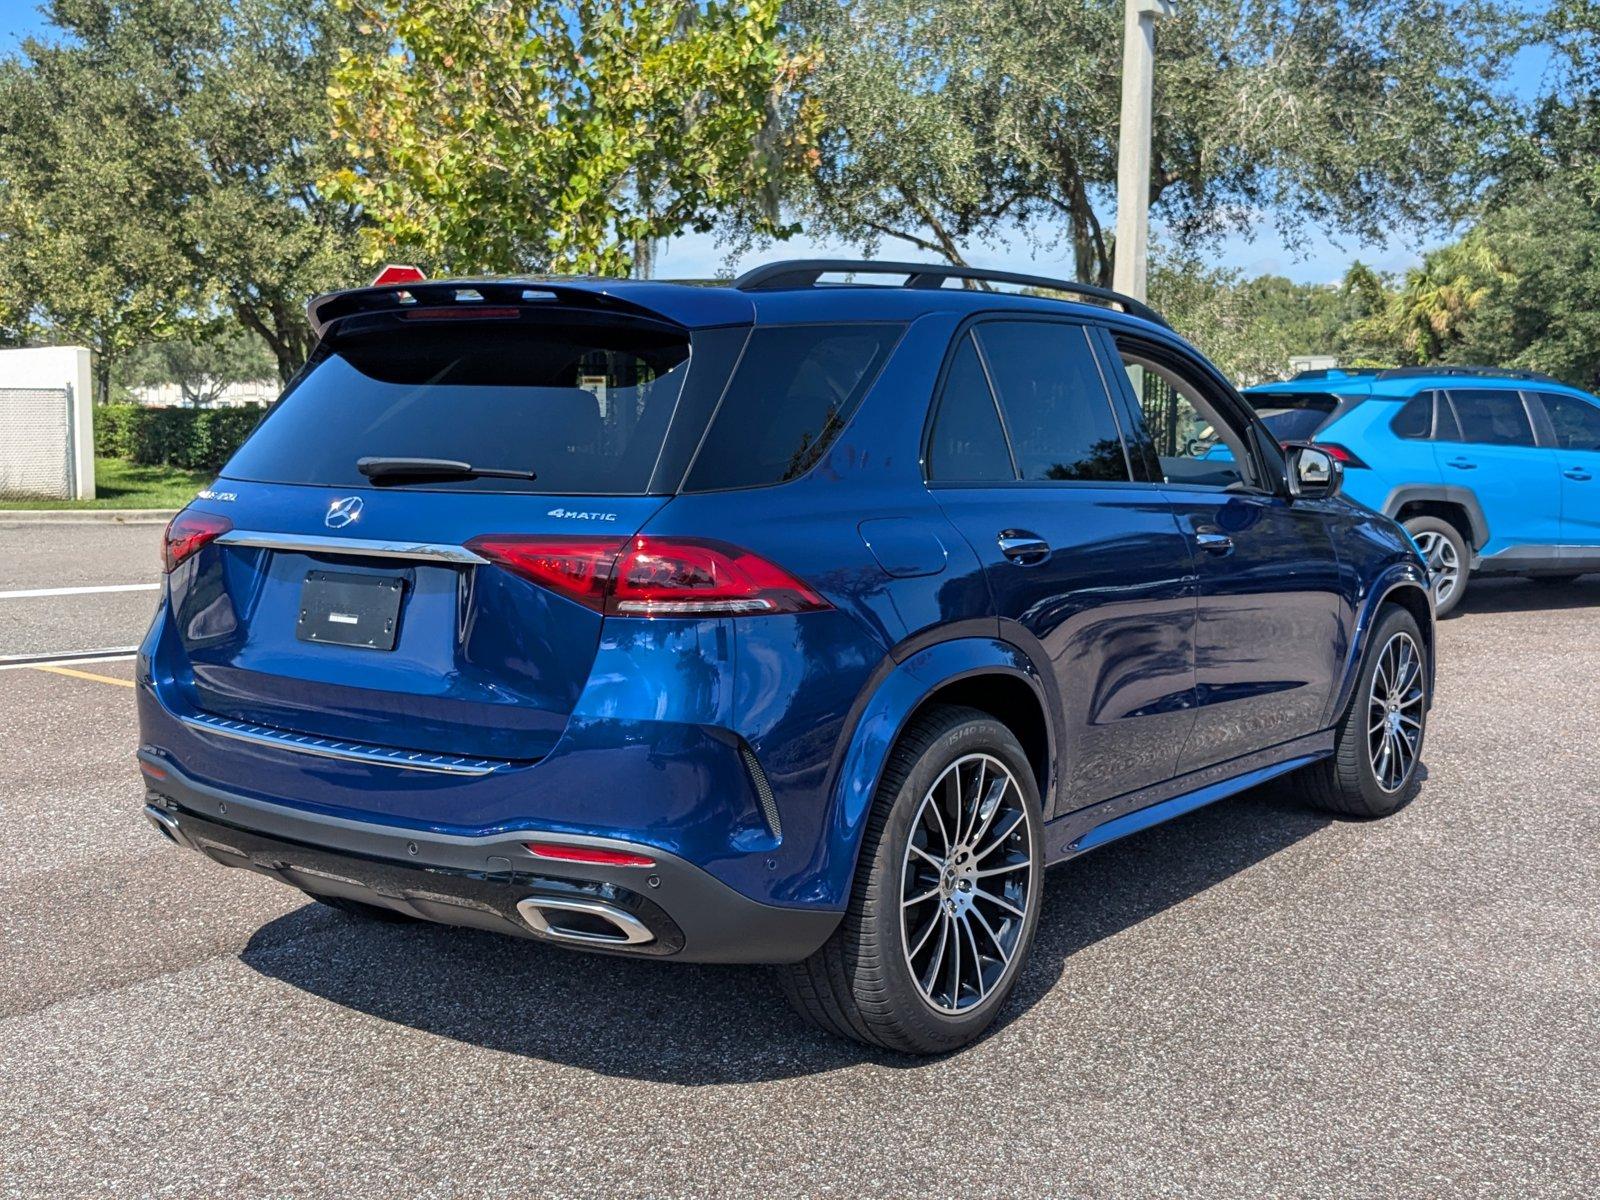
[
  {"x": 1462, "y": 464},
  {"x": 1214, "y": 542},
  {"x": 1020, "y": 546},
  {"x": 1577, "y": 473}
]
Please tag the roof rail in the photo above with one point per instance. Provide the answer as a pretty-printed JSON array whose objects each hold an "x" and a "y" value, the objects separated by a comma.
[
  {"x": 1336, "y": 373},
  {"x": 1470, "y": 372},
  {"x": 805, "y": 273}
]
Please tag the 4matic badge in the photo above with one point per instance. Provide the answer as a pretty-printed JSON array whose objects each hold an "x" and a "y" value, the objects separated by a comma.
[{"x": 569, "y": 515}]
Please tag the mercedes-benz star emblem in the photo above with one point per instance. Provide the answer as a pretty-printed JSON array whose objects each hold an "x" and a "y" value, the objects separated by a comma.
[{"x": 343, "y": 512}]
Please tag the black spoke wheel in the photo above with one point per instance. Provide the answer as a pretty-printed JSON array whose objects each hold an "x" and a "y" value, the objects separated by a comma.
[
  {"x": 946, "y": 893},
  {"x": 1377, "y": 762}
]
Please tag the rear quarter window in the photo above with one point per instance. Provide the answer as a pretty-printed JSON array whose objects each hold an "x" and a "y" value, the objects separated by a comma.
[{"x": 795, "y": 389}]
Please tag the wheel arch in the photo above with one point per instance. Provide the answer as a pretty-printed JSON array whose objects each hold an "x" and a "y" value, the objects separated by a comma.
[
  {"x": 1457, "y": 505},
  {"x": 1403, "y": 584},
  {"x": 985, "y": 673}
]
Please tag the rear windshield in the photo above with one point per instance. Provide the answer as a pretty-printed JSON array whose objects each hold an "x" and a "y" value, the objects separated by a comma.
[
  {"x": 1293, "y": 416},
  {"x": 583, "y": 404}
]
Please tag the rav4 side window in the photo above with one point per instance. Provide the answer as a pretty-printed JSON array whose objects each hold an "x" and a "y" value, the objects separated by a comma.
[
  {"x": 1576, "y": 421},
  {"x": 1054, "y": 401},
  {"x": 1492, "y": 417},
  {"x": 1191, "y": 440}
]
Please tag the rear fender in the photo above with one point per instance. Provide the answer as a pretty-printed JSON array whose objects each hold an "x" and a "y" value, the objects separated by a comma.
[{"x": 882, "y": 717}]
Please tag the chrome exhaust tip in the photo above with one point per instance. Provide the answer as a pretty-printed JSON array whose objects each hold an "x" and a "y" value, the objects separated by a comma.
[
  {"x": 588, "y": 922},
  {"x": 166, "y": 825}
]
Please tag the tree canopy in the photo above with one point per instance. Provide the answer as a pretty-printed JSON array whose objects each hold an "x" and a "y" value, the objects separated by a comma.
[
  {"x": 944, "y": 123},
  {"x": 544, "y": 135}
]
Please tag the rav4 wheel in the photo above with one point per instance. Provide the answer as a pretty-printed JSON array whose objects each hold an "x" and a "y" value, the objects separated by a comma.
[
  {"x": 1376, "y": 763},
  {"x": 946, "y": 894},
  {"x": 1448, "y": 559}
]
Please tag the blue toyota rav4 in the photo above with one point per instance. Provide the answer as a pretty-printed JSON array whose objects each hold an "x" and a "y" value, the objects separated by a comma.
[
  {"x": 1491, "y": 471},
  {"x": 805, "y": 621}
]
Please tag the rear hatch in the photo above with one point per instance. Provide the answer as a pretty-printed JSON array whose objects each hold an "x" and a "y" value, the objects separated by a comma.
[{"x": 362, "y": 605}]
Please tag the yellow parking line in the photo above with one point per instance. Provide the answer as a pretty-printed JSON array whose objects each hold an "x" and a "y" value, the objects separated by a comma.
[{"x": 86, "y": 675}]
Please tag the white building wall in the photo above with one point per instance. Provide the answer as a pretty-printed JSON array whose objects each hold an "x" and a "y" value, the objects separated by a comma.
[{"x": 68, "y": 367}]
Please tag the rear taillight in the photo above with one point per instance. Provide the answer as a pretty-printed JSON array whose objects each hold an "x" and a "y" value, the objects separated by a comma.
[
  {"x": 1340, "y": 453},
  {"x": 653, "y": 577},
  {"x": 187, "y": 533}
]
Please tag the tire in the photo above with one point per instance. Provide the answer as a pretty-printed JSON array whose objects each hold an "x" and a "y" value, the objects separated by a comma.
[
  {"x": 370, "y": 912},
  {"x": 862, "y": 983},
  {"x": 1446, "y": 550},
  {"x": 1358, "y": 780}
]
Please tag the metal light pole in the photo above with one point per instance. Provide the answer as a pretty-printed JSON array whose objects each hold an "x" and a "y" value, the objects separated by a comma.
[{"x": 1132, "y": 250}]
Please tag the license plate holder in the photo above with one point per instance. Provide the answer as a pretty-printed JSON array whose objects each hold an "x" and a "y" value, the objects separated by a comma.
[{"x": 341, "y": 609}]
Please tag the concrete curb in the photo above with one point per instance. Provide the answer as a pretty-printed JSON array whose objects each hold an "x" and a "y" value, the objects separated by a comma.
[{"x": 86, "y": 516}]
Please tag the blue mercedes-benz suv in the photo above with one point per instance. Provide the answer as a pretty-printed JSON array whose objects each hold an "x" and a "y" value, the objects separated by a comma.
[
  {"x": 805, "y": 620},
  {"x": 1492, "y": 471}
]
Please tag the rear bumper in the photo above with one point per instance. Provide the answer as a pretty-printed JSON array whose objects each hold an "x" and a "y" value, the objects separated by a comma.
[{"x": 670, "y": 909}]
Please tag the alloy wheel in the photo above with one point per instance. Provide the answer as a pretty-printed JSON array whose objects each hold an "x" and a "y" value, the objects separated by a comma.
[
  {"x": 965, "y": 883},
  {"x": 1444, "y": 564},
  {"x": 1395, "y": 705}
]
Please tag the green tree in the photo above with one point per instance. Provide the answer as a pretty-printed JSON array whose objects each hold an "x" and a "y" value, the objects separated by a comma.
[
  {"x": 160, "y": 160},
  {"x": 537, "y": 135},
  {"x": 945, "y": 123},
  {"x": 201, "y": 367}
]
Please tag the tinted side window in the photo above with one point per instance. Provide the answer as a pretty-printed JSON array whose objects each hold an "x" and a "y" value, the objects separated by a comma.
[
  {"x": 1494, "y": 418},
  {"x": 968, "y": 445},
  {"x": 1415, "y": 418},
  {"x": 796, "y": 387},
  {"x": 1055, "y": 401},
  {"x": 1577, "y": 422}
]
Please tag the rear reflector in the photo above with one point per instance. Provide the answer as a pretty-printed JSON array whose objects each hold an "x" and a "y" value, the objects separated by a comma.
[
  {"x": 653, "y": 577},
  {"x": 395, "y": 273},
  {"x": 187, "y": 533},
  {"x": 588, "y": 854}
]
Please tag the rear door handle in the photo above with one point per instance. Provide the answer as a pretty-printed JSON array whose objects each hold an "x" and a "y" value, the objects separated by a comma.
[
  {"x": 1020, "y": 546},
  {"x": 1213, "y": 542},
  {"x": 1462, "y": 464},
  {"x": 1577, "y": 473}
]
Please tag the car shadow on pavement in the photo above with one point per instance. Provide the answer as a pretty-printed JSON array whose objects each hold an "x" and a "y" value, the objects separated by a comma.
[
  {"x": 691, "y": 1024},
  {"x": 1524, "y": 595}
]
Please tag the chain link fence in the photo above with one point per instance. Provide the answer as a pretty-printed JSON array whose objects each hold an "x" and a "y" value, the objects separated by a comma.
[{"x": 35, "y": 444}]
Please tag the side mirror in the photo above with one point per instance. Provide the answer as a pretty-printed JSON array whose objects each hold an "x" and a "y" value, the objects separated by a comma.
[{"x": 1314, "y": 474}]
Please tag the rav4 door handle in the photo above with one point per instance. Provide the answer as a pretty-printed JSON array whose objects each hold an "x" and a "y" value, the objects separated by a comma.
[
  {"x": 1461, "y": 464},
  {"x": 1020, "y": 546},
  {"x": 1577, "y": 473}
]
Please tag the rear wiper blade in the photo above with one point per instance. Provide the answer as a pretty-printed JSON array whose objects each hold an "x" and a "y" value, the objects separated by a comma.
[{"x": 389, "y": 470}]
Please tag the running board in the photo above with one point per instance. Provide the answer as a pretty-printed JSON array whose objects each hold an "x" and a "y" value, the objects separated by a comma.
[{"x": 1087, "y": 828}]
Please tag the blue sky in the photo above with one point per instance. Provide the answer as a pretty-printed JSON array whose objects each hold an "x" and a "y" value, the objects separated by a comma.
[{"x": 1323, "y": 260}]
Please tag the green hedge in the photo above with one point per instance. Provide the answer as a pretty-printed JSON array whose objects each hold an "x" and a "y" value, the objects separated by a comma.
[{"x": 193, "y": 439}]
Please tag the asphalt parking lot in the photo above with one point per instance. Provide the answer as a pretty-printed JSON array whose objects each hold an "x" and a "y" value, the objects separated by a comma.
[{"x": 1250, "y": 1001}]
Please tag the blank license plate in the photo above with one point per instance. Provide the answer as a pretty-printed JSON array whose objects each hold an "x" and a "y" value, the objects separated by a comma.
[{"x": 350, "y": 610}]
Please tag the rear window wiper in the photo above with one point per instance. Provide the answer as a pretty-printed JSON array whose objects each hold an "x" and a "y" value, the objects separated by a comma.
[{"x": 394, "y": 470}]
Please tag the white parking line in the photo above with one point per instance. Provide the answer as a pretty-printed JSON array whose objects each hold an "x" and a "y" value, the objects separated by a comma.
[
  {"x": 37, "y": 593},
  {"x": 17, "y": 662}
]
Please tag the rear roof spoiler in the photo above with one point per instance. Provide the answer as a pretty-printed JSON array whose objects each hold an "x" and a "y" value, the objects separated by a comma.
[{"x": 675, "y": 304}]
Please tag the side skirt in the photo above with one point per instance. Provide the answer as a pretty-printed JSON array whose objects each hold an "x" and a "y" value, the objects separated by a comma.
[{"x": 1069, "y": 836}]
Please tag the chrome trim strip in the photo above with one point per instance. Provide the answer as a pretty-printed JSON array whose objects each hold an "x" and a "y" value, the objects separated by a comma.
[
  {"x": 311, "y": 543},
  {"x": 379, "y": 756},
  {"x": 633, "y": 932}
]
